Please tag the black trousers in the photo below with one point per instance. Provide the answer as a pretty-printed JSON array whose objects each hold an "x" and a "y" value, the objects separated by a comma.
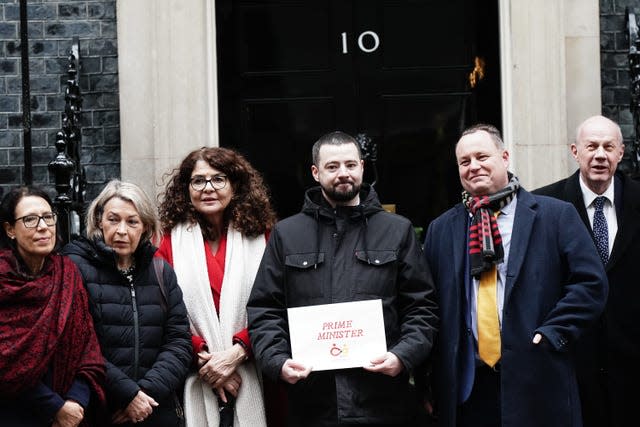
[{"x": 482, "y": 409}]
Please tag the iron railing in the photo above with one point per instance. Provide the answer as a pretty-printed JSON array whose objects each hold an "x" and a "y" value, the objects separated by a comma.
[{"x": 69, "y": 175}]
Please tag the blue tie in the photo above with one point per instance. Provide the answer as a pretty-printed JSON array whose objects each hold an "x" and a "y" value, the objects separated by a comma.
[{"x": 600, "y": 230}]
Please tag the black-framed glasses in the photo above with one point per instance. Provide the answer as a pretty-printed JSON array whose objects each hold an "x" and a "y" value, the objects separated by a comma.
[
  {"x": 199, "y": 182},
  {"x": 32, "y": 221}
]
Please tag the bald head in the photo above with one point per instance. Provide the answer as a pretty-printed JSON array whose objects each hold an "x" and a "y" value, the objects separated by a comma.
[{"x": 601, "y": 122}]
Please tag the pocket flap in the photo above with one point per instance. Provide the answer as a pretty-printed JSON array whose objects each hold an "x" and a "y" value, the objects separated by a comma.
[
  {"x": 376, "y": 257},
  {"x": 306, "y": 260}
]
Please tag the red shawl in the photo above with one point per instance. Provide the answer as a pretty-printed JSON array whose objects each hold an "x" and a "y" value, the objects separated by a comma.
[{"x": 45, "y": 323}]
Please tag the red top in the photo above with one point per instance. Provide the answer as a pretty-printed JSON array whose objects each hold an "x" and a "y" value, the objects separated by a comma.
[{"x": 215, "y": 269}]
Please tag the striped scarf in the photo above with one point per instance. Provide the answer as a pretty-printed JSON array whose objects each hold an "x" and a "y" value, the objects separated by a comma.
[{"x": 485, "y": 242}]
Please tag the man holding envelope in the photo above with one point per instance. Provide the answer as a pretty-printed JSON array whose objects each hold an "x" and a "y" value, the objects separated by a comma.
[{"x": 343, "y": 248}]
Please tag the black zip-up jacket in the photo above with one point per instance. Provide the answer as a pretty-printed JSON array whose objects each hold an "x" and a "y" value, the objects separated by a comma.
[
  {"x": 144, "y": 336},
  {"x": 324, "y": 255}
]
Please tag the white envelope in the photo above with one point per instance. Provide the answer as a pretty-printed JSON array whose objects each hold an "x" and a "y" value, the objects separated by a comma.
[{"x": 337, "y": 336}]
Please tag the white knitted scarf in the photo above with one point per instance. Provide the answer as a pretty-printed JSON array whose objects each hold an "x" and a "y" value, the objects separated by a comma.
[{"x": 241, "y": 265}]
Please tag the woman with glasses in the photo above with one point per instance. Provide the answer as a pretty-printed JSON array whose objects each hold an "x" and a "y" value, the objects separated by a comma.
[
  {"x": 51, "y": 369},
  {"x": 137, "y": 307},
  {"x": 216, "y": 212}
]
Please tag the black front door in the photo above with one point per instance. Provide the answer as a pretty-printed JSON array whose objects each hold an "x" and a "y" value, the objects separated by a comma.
[{"x": 397, "y": 71}]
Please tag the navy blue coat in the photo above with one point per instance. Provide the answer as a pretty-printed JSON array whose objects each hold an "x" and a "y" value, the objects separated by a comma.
[
  {"x": 555, "y": 285},
  {"x": 607, "y": 358}
]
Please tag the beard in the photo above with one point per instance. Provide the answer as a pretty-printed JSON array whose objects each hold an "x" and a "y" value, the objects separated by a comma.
[{"x": 338, "y": 196}]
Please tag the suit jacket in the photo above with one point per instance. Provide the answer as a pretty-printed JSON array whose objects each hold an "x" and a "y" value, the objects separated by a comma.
[
  {"x": 623, "y": 306},
  {"x": 555, "y": 285},
  {"x": 612, "y": 347}
]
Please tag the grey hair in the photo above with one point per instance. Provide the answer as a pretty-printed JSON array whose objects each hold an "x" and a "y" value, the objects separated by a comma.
[
  {"x": 493, "y": 132},
  {"x": 128, "y": 192},
  {"x": 333, "y": 138}
]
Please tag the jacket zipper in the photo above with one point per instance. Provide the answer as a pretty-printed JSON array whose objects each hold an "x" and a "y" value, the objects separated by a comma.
[{"x": 136, "y": 332}]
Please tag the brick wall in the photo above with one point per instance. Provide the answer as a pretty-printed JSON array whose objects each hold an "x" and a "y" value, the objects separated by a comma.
[
  {"x": 52, "y": 25},
  {"x": 615, "y": 69}
]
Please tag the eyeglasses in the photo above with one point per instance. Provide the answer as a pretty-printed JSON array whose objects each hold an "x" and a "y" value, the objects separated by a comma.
[
  {"x": 199, "y": 183},
  {"x": 32, "y": 221}
]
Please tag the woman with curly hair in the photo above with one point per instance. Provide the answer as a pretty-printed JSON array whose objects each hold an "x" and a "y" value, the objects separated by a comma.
[{"x": 216, "y": 213}]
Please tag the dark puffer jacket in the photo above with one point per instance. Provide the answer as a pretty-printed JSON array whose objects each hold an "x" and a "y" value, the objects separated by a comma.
[
  {"x": 144, "y": 336},
  {"x": 325, "y": 255}
]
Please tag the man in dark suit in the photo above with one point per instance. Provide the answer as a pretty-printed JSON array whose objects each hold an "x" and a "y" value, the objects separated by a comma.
[
  {"x": 518, "y": 280},
  {"x": 608, "y": 356}
]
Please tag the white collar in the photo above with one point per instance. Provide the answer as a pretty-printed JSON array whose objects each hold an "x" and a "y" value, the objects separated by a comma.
[{"x": 589, "y": 196}]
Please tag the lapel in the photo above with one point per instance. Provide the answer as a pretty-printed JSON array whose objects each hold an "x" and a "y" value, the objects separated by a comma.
[
  {"x": 573, "y": 194},
  {"x": 459, "y": 238},
  {"x": 629, "y": 221},
  {"x": 520, "y": 235}
]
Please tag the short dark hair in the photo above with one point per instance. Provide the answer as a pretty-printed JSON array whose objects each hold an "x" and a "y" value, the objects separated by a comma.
[
  {"x": 8, "y": 208},
  {"x": 333, "y": 138},
  {"x": 493, "y": 132}
]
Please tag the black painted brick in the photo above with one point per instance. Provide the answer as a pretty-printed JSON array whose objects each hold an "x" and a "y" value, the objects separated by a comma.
[
  {"x": 612, "y": 23},
  {"x": 70, "y": 29},
  {"x": 108, "y": 29},
  {"x": 92, "y": 136},
  {"x": 35, "y": 11},
  {"x": 38, "y": 103},
  {"x": 46, "y": 120},
  {"x": 609, "y": 77},
  {"x": 36, "y": 66},
  {"x": 86, "y": 118},
  {"x": 103, "y": 82},
  {"x": 37, "y": 47},
  {"x": 14, "y": 121},
  {"x": 16, "y": 157},
  {"x": 622, "y": 43},
  {"x": 103, "y": 47},
  {"x": 9, "y": 104},
  {"x": 102, "y": 10},
  {"x": 105, "y": 118},
  {"x": 91, "y": 65},
  {"x": 55, "y": 102},
  {"x": 606, "y": 6},
  {"x": 607, "y": 96},
  {"x": 9, "y": 139},
  {"x": 87, "y": 155},
  {"x": 112, "y": 135},
  {"x": 111, "y": 100},
  {"x": 625, "y": 116},
  {"x": 110, "y": 64},
  {"x": 72, "y": 10},
  {"x": 39, "y": 138},
  {"x": 623, "y": 78},
  {"x": 95, "y": 174},
  {"x": 107, "y": 154},
  {"x": 14, "y": 85},
  {"x": 36, "y": 29},
  {"x": 607, "y": 41},
  {"x": 620, "y": 5},
  {"x": 92, "y": 101},
  {"x": 9, "y": 66},
  {"x": 8, "y": 30},
  {"x": 41, "y": 174},
  {"x": 57, "y": 66}
]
